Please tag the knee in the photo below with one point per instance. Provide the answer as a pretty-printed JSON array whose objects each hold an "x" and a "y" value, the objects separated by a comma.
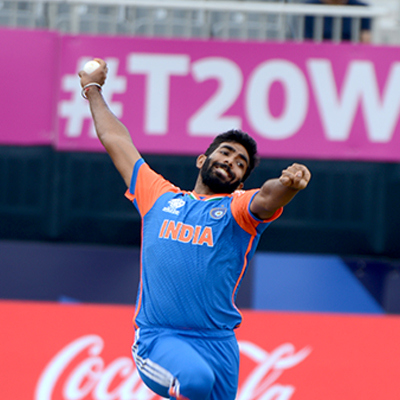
[
  {"x": 198, "y": 385},
  {"x": 202, "y": 384}
]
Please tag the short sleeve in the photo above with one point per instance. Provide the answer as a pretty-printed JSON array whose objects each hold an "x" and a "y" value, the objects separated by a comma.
[
  {"x": 240, "y": 207},
  {"x": 146, "y": 187}
]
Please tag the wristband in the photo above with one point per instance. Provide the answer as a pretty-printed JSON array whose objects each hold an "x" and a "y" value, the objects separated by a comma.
[{"x": 86, "y": 87}]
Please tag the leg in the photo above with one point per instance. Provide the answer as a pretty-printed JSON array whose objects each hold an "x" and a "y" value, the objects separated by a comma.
[
  {"x": 223, "y": 357},
  {"x": 170, "y": 366}
]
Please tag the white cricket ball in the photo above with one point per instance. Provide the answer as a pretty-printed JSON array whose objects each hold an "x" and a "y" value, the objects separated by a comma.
[{"x": 91, "y": 66}]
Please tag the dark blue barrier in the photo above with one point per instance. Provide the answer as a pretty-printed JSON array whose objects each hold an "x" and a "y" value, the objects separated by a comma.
[{"x": 349, "y": 208}]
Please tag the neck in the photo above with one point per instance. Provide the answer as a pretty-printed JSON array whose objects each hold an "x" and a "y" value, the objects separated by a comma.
[{"x": 201, "y": 188}]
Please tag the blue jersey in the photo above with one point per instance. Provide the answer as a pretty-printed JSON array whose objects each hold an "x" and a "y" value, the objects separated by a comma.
[{"x": 194, "y": 254}]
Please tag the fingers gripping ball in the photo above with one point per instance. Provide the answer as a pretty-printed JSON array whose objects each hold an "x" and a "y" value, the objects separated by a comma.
[
  {"x": 296, "y": 176},
  {"x": 91, "y": 66},
  {"x": 90, "y": 78}
]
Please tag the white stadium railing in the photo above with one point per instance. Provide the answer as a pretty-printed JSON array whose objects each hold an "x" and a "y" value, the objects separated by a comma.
[{"x": 243, "y": 20}]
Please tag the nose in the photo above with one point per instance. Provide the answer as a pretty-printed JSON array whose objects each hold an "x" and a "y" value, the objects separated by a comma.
[{"x": 229, "y": 161}]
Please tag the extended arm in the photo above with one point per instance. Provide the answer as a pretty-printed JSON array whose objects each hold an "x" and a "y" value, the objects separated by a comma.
[
  {"x": 276, "y": 193},
  {"x": 112, "y": 133}
]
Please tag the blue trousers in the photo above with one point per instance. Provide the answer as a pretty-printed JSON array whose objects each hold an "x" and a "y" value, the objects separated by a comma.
[{"x": 186, "y": 364}]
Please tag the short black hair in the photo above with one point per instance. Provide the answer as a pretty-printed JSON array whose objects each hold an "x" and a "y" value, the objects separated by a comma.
[{"x": 237, "y": 136}]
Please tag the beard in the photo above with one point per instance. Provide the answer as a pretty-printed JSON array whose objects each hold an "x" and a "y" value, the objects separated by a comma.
[{"x": 216, "y": 183}]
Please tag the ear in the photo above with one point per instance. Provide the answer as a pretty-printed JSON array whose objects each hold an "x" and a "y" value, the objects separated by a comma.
[
  {"x": 241, "y": 186},
  {"x": 200, "y": 160}
]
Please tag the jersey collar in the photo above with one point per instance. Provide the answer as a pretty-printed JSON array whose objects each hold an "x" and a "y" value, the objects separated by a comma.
[{"x": 205, "y": 197}]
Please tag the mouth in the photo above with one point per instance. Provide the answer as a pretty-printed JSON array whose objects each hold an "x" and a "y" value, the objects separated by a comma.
[{"x": 223, "y": 171}]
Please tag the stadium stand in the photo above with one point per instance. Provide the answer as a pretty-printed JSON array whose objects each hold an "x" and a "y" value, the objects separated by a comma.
[{"x": 244, "y": 20}]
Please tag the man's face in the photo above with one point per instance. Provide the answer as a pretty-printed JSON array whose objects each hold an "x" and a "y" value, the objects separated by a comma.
[{"x": 223, "y": 170}]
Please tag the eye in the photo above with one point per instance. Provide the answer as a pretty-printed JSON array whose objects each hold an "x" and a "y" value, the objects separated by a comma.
[
  {"x": 224, "y": 152},
  {"x": 240, "y": 164}
]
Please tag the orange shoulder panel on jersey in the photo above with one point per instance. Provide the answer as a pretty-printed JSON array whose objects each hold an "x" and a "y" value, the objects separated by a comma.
[
  {"x": 240, "y": 208},
  {"x": 148, "y": 188}
]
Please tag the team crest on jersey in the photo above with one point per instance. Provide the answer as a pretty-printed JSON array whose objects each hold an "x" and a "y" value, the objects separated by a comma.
[
  {"x": 173, "y": 205},
  {"x": 218, "y": 212}
]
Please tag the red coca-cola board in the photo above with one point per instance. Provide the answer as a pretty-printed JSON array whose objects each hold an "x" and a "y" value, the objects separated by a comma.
[{"x": 82, "y": 352}]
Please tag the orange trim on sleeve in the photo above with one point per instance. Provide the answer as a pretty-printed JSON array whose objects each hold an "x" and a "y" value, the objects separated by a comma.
[
  {"x": 240, "y": 211},
  {"x": 240, "y": 207},
  {"x": 129, "y": 195},
  {"x": 276, "y": 215},
  {"x": 149, "y": 187}
]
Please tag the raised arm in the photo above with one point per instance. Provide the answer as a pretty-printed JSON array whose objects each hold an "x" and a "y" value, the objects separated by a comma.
[
  {"x": 112, "y": 133},
  {"x": 276, "y": 193}
]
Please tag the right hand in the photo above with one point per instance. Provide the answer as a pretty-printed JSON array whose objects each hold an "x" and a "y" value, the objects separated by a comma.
[{"x": 98, "y": 76}]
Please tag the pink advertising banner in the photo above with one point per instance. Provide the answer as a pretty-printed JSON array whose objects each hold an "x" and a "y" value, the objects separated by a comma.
[
  {"x": 298, "y": 100},
  {"x": 29, "y": 86}
]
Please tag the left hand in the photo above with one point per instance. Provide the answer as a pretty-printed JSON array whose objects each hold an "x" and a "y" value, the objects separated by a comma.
[{"x": 296, "y": 176}]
